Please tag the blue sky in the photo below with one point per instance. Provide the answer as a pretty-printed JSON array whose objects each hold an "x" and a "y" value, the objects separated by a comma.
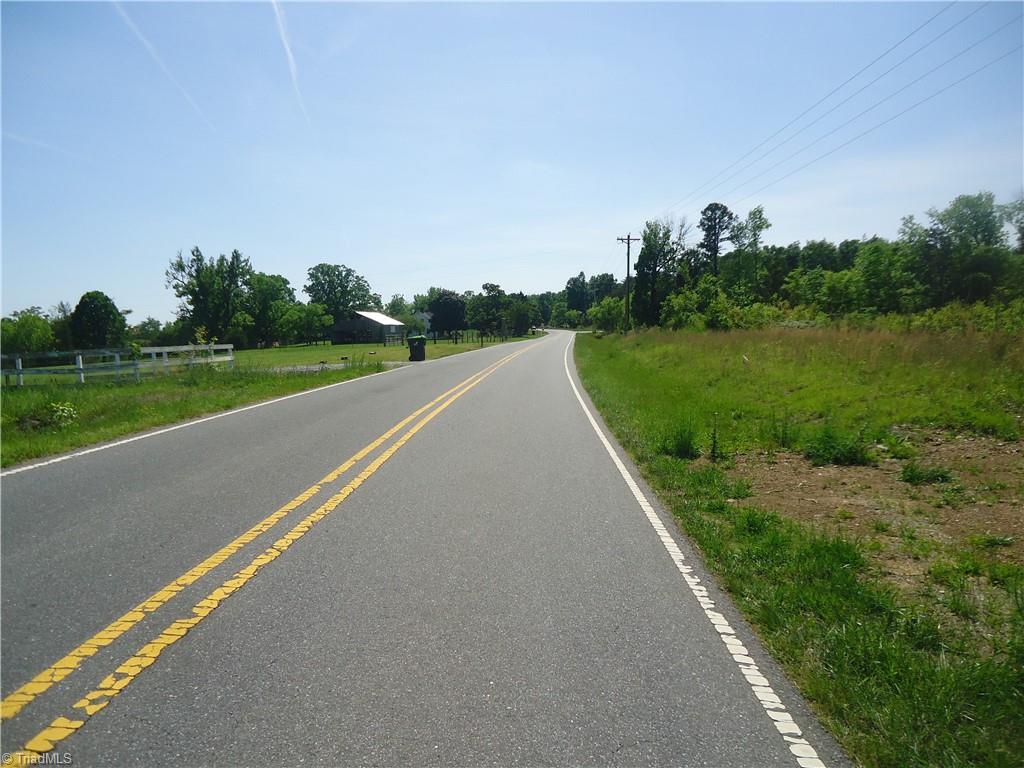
[{"x": 458, "y": 144}]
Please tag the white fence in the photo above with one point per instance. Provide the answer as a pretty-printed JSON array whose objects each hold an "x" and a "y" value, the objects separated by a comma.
[{"x": 115, "y": 362}]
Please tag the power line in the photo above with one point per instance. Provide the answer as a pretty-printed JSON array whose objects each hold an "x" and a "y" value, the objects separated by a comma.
[
  {"x": 860, "y": 90},
  {"x": 884, "y": 122},
  {"x": 872, "y": 107},
  {"x": 815, "y": 104}
]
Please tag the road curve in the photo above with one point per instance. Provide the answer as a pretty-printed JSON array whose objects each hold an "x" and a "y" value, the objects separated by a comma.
[{"x": 442, "y": 565}]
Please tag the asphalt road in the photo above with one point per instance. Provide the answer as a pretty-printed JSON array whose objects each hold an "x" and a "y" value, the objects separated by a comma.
[{"x": 483, "y": 587}]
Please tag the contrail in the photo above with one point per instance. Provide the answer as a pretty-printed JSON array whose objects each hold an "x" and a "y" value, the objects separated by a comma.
[
  {"x": 155, "y": 56},
  {"x": 43, "y": 145},
  {"x": 291, "y": 59}
]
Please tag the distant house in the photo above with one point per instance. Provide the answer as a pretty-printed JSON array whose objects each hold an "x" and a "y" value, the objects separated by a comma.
[
  {"x": 425, "y": 318},
  {"x": 362, "y": 326}
]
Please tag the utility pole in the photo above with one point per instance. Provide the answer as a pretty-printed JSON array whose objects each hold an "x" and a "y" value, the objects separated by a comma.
[{"x": 628, "y": 239}]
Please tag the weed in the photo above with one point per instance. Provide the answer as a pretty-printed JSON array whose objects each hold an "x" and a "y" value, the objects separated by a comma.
[
  {"x": 830, "y": 446},
  {"x": 915, "y": 474},
  {"x": 880, "y": 526},
  {"x": 991, "y": 541},
  {"x": 680, "y": 441},
  {"x": 717, "y": 454},
  {"x": 898, "y": 447}
]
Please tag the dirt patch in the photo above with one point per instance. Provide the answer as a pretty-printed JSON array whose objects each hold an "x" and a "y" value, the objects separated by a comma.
[
  {"x": 982, "y": 505},
  {"x": 910, "y": 534}
]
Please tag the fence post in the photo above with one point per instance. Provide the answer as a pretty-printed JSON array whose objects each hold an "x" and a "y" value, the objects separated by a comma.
[
  {"x": 231, "y": 359},
  {"x": 117, "y": 365},
  {"x": 152, "y": 357},
  {"x": 138, "y": 377},
  {"x": 80, "y": 369},
  {"x": 167, "y": 363},
  {"x": 17, "y": 365}
]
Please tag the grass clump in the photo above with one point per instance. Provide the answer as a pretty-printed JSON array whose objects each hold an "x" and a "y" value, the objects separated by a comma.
[
  {"x": 831, "y": 446},
  {"x": 680, "y": 441},
  {"x": 989, "y": 541},
  {"x": 915, "y": 474}
]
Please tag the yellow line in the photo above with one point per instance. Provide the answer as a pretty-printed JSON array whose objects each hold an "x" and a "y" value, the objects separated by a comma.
[
  {"x": 112, "y": 685},
  {"x": 14, "y": 702}
]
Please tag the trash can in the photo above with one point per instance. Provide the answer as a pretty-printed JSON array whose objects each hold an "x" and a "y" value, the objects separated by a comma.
[{"x": 417, "y": 348}]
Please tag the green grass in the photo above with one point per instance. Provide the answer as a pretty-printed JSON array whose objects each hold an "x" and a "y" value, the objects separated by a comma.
[
  {"x": 303, "y": 354},
  {"x": 44, "y": 418},
  {"x": 105, "y": 410},
  {"x": 896, "y": 681},
  {"x": 915, "y": 474}
]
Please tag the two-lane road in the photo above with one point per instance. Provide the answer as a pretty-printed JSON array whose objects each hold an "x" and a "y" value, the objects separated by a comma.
[{"x": 447, "y": 564}]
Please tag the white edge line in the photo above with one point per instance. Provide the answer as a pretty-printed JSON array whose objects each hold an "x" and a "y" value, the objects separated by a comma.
[{"x": 806, "y": 756}]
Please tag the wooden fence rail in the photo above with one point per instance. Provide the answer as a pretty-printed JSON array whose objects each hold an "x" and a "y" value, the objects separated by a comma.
[{"x": 115, "y": 362}]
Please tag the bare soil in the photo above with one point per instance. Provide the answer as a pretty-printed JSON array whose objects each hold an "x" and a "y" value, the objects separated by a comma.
[{"x": 906, "y": 529}]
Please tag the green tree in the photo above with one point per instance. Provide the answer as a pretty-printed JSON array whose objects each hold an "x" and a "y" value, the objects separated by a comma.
[
  {"x": 577, "y": 296},
  {"x": 558, "y": 310},
  {"x": 819, "y": 254},
  {"x": 608, "y": 314},
  {"x": 970, "y": 220},
  {"x": 803, "y": 286},
  {"x": 573, "y": 318},
  {"x": 1013, "y": 214},
  {"x": 96, "y": 322},
  {"x": 397, "y": 306},
  {"x": 145, "y": 332},
  {"x": 520, "y": 314},
  {"x": 60, "y": 322},
  {"x": 841, "y": 292},
  {"x": 211, "y": 290},
  {"x": 340, "y": 289},
  {"x": 655, "y": 272},
  {"x": 600, "y": 286},
  {"x": 26, "y": 331},
  {"x": 263, "y": 305},
  {"x": 716, "y": 220},
  {"x": 681, "y": 310},
  {"x": 545, "y": 301},
  {"x": 888, "y": 278},
  {"x": 306, "y": 322},
  {"x": 486, "y": 311},
  {"x": 448, "y": 310},
  {"x": 240, "y": 329},
  {"x": 847, "y": 253},
  {"x": 421, "y": 301}
]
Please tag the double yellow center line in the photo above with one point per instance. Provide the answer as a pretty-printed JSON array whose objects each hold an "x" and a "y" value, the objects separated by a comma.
[{"x": 128, "y": 671}]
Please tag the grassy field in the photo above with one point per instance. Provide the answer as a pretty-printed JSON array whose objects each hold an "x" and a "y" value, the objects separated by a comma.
[
  {"x": 303, "y": 354},
  {"x": 47, "y": 417},
  {"x": 859, "y": 495}
]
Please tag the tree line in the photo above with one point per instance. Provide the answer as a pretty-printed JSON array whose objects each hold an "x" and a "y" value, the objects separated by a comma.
[
  {"x": 729, "y": 278},
  {"x": 726, "y": 278},
  {"x": 224, "y": 299}
]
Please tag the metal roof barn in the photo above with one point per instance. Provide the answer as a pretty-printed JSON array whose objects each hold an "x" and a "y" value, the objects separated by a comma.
[{"x": 366, "y": 326}]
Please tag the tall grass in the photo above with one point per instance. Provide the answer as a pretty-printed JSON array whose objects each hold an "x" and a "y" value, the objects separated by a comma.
[{"x": 896, "y": 685}]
